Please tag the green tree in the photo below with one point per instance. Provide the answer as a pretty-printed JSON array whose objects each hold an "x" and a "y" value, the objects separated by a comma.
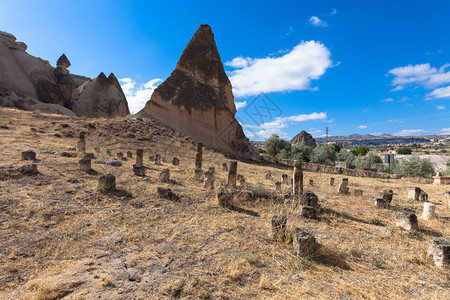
[
  {"x": 301, "y": 152},
  {"x": 274, "y": 145},
  {"x": 414, "y": 166},
  {"x": 361, "y": 151},
  {"x": 368, "y": 161},
  {"x": 319, "y": 154},
  {"x": 404, "y": 150},
  {"x": 347, "y": 156}
]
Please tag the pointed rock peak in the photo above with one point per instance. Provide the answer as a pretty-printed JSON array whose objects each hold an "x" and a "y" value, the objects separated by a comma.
[
  {"x": 101, "y": 76},
  {"x": 202, "y": 57},
  {"x": 113, "y": 80},
  {"x": 63, "y": 61}
]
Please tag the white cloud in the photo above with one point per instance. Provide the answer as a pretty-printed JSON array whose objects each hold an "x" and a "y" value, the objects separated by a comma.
[
  {"x": 440, "y": 107},
  {"x": 292, "y": 71},
  {"x": 408, "y": 132},
  {"x": 138, "y": 94},
  {"x": 443, "y": 92},
  {"x": 316, "y": 21},
  {"x": 334, "y": 11},
  {"x": 265, "y": 130},
  {"x": 422, "y": 74},
  {"x": 240, "y": 104},
  {"x": 362, "y": 126},
  {"x": 445, "y": 131},
  {"x": 387, "y": 100}
]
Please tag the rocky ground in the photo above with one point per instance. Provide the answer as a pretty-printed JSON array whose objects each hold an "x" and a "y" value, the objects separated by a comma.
[{"x": 67, "y": 240}]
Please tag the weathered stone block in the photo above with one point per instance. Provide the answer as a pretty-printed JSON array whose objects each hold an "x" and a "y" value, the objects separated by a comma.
[
  {"x": 107, "y": 183},
  {"x": 138, "y": 170},
  {"x": 429, "y": 211},
  {"x": 311, "y": 182},
  {"x": 175, "y": 161},
  {"x": 157, "y": 160},
  {"x": 285, "y": 179},
  {"x": 406, "y": 220},
  {"x": 307, "y": 211},
  {"x": 225, "y": 199},
  {"x": 140, "y": 157},
  {"x": 232, "y": 174},
  {"x": 268, "y": 175},
  {"x": 208, "y": 183},
  {"x": 164, "y": 175},
  {"x": 277, "y": 186},
  {"x": 304, "y": 242},
  {"x": 309, "y": 199},
  {"x": 377, "y": 202},
  {"x": 225, "y": 167},
  {"x": 85, "y": 164},
  {"x": 343, "y": 187},
  {"x": 331, "y": 181},
  {"x": 278, "y": 228},
  {"x": 129, "y": 154},
  {"x": 29, "y": 169},
  {"x": 167, "y": 193},
  {"x": 120, "y": 155},
  {"x": 414, "y": 194},
  {"x": 439, "y": 252},
  {"x": 28, "y": 155}
]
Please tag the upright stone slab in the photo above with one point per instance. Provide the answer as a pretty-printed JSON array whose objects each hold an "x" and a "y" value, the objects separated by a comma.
[
  {"x": 140, "y": 157},
  {"x": 307, "y": 211},
  {"x": 268, "y": 175},
  {"x": 85, "y": 165},
  {"x": 387, "y": 195},
  {"x": 429, "y": 211},
  {"x": 28, "y": 155},
  {"x": 120, "y": 155},
  {"x": 311, "y": 182},
  {"x": 208, "y": 183},
  {"x": 343, "y": 187},
  {"x": 304, "y": 242},
  {"x": 198, "y": 156},
  {"x": 225, "y": 167},
  {"x": 232, "y": 174},
  {"x": 175, "y": 161},
  {"x": 277, "y": 186},
  {"x": 225, "y": 199},
  {"x": 107, "y": 183},
  {"x": 414, "y": 194},
  {"x": 29, "y": 169},
  {"x": 278, "y": 228},
  {"x": 439, "y": 252},
  {"x": 331, "y": 181},
  {"x": 164, "y": 175},
  {"x": 129, "y": 154},
  {"x": 377, "y": 202},
  {"x": 406, "y": 220},
  {"x": 423, "y": 196},
  {"x": 157, "y": 160},
  {"x": 139, "y": 170},
  {"x": 297, "y": 184},
  {"x": 309, "y": 199},
  {"x": 284, "y": 179}
]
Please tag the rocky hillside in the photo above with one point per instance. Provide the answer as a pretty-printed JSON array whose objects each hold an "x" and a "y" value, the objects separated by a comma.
[
  {"x": 31, "y": 83},
  {"x": 61, "y": 238},
  {"x": 197, "y": 99}
]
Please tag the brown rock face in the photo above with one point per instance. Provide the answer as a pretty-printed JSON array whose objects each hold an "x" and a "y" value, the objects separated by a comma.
[
  {"x": 197, "y": 99},
  {"x": 305, "y": 138},
  {"x": 101, "y": 97}
]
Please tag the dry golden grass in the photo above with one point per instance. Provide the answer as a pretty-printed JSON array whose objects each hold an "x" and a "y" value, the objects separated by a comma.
[{"x": 64, "y": 240}]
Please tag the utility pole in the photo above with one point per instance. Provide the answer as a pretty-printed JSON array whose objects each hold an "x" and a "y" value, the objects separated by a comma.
[{"x": 326, "y": 145}]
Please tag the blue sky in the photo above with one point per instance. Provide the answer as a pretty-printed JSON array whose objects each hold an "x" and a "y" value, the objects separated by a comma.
[{"x": 353, "y": 66}]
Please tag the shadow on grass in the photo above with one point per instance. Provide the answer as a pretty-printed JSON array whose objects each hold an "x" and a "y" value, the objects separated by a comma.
[
  {"x": 334, "y": 213},
  {"x": 243, "y": 210},
  {"x": 329, "y": 257}
]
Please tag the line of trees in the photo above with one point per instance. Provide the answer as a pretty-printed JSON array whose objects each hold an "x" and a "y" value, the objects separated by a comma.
[{"x": 359, "y": 158}]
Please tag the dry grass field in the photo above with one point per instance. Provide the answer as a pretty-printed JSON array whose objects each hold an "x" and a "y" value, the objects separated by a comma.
[{"x": 62, "y": 240}]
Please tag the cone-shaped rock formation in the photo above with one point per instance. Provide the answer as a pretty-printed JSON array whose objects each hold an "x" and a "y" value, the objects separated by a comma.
[{"x": 197, "y": 99}]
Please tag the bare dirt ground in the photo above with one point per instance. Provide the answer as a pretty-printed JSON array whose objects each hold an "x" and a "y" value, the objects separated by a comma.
[{"x": 62, "y": 240}]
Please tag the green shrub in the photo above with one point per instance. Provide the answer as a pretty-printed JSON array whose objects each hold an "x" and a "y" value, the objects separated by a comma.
[
  {"x": 319, "y": 154},
  {"x": 413, "y": 166},
  {"x": 404, "y": 150},
  {"x": 361, "y": 151},
  {"x": 274, "y": 145},
  {"x": 369, "y": 161}
]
